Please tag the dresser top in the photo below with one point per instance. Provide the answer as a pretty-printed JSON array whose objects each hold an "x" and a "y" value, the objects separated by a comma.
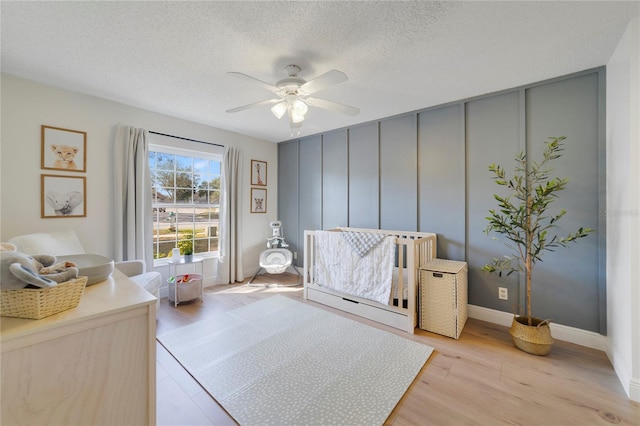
[{"x": 116, "y": 294}]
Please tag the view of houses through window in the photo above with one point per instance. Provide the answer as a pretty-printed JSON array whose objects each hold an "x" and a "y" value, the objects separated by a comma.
[{"x": 186, "y": 200}]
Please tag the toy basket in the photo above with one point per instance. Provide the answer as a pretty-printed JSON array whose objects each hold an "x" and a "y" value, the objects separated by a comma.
[
  {"x": 189, "y": 287},
  {"x": 38, "y": 303}
]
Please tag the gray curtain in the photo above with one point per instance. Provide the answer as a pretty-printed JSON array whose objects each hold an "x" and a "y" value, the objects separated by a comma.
[
  {"x": 132, "y": 198},
  {"x": 230, "y": 267}
]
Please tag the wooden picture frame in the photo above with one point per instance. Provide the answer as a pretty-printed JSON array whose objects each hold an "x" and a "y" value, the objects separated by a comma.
[
  {"x": 63, "y": 149},
  {"x": 63, "y": 196},
  {"x": 258, "y": 200},
  {"x": 258, "y": 173}
]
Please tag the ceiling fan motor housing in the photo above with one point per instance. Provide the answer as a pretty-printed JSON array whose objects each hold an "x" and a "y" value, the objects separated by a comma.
[
  {"x": 292, "y": 70},
  {"x": 292, "y": 83}
]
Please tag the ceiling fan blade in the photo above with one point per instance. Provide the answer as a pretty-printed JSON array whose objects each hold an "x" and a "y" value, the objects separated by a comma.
[
  {"x": 323, "y": 81},
  {"x": 333, "y": 106},
  {"x": 255, "y": 104},
  {"x": 266, "y": 85}
]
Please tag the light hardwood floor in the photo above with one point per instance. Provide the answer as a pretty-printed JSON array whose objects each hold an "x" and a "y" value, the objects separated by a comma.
[{"x": 480, "y": 379}]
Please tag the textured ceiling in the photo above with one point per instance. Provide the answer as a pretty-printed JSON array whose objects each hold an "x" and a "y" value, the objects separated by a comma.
[{"x": 173, "y": 57}]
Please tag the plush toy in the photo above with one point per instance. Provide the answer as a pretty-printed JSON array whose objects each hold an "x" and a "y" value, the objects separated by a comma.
[
  {"x": 8, "y": 247},
  {"x": 19, "y": 270}
]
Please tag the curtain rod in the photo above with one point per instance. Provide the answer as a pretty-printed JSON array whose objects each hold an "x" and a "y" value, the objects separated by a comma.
[{"x": 186, "y": 139}]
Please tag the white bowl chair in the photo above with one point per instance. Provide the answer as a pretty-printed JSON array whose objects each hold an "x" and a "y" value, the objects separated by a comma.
[
  {"x": 277, "y": 258},
  {"x": 66, "y": 242}
]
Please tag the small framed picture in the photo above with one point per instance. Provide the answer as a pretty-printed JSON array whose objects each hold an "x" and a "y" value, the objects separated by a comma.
[
  {"x": 258, "y": 200},
  {"x": 258, "y": 173},
  {"x": 63, "y": 196},
  {"x": 63, "y": 149}
]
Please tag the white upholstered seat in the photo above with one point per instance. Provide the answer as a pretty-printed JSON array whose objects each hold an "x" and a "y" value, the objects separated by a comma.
[{"x": 276, "y": 260}]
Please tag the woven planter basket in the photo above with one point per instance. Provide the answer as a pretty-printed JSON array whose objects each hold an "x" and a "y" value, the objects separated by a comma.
[
  {"x": 37, "y": 303},
  {"x": 534, "y": 339}
]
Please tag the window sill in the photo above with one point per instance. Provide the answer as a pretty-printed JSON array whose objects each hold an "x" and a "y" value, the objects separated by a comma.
[{"x": 205, "y": 256}]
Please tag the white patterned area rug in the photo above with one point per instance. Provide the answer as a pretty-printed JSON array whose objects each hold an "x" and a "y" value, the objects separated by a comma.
[{"x": 282, "y": 362}]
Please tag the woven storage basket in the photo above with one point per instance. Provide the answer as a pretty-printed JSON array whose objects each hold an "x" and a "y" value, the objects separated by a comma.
[
  {"x": 37, "y": 303},
  {"x": 535, "y": 339},
  {"x": 443, "y": 297}
]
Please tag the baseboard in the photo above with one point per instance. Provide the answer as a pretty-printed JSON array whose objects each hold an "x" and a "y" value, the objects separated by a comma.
[
  {"x": 578, "y": 336},
  {"x": 634, "y": 390},
  {"x": 630, "y": 384}
]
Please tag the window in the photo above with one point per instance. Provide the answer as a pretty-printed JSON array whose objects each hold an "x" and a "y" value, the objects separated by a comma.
[{"x": 186, "y": 199}]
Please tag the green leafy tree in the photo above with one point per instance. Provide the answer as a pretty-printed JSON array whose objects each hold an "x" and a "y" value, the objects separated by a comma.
[
  {"x": 184, "y": 187},
  {"x": 522, "y": 216},
  {"x": 209, "y": 190},
  {"x": 178, "y": 186}
]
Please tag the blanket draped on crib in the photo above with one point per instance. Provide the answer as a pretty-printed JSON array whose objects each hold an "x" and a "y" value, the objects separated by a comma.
[{"x": 340, "y": 267}]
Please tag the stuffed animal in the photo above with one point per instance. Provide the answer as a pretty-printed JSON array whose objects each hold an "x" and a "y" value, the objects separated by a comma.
[
  {"x": 8, "y": 247},
  {"x": 19, "y": 270}
]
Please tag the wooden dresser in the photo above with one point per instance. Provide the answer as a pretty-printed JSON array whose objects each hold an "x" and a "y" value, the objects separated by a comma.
[{"x": 91, "y": 365}]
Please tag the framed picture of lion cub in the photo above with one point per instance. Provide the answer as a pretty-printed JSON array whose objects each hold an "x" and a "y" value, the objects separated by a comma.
[{"x": 64, "y": 149}]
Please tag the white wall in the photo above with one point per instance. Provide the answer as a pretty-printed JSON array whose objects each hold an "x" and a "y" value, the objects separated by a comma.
[
  {"x": 623, "y": 209},
  {"x": 26, "y": 105}
]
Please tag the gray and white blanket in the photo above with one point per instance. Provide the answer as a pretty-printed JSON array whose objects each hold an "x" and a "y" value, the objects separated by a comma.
[
  {"x": 362, "y": 242},
  {"x": 339, "y": 265}
]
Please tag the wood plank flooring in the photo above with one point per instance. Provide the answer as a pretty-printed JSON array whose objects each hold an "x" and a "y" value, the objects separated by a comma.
[{"x": 480, "y": 379}]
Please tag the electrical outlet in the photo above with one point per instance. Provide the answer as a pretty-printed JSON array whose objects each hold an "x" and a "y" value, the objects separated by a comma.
[
  {"x": 503, "y": 293},
  {"x": 295, "y": 255}
]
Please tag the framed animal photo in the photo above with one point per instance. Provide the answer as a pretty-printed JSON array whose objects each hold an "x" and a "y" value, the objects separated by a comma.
[
  {"x": 63, "y": 196},
  {"x": 258, "y": 173},
  {"x": 63, "y": 149},
  {"x": 258, "y": 200}
]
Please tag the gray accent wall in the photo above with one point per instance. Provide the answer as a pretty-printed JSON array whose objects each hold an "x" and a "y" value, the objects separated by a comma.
[
  {"x": 493, "y": 128},
  {"x": 335, "y": 179},
  {"x": 399, "y": 174},
  {"x": 428, "y": 170},
  {"x": 364, "y": 177},
  {"x": 570, "y": 273},
  {"x": 441, "y": 177},
  {"x": 310, "y": 190},
  {"x": 288, "y": 201}
]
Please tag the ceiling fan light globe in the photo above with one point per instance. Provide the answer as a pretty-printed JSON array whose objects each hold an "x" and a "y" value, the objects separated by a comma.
[
  {"x": 296, "y": 116},
  {"x": 279, "y": 109},
  {"x": 290, "y": 98},
  {"x": 300, "y": 107}
]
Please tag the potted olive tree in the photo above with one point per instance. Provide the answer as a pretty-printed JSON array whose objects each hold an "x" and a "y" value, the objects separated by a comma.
[{"x": 522, "y": 218}]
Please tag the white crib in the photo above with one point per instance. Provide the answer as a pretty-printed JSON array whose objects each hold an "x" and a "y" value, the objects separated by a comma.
[{"x": 413, "y": 249}]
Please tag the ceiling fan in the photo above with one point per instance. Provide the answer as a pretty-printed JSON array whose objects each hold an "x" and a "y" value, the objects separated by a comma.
[{"x": 293, "y": 95}]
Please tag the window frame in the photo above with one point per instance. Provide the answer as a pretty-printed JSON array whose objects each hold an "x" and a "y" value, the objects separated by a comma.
[{"x": 195, "y": 150}]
